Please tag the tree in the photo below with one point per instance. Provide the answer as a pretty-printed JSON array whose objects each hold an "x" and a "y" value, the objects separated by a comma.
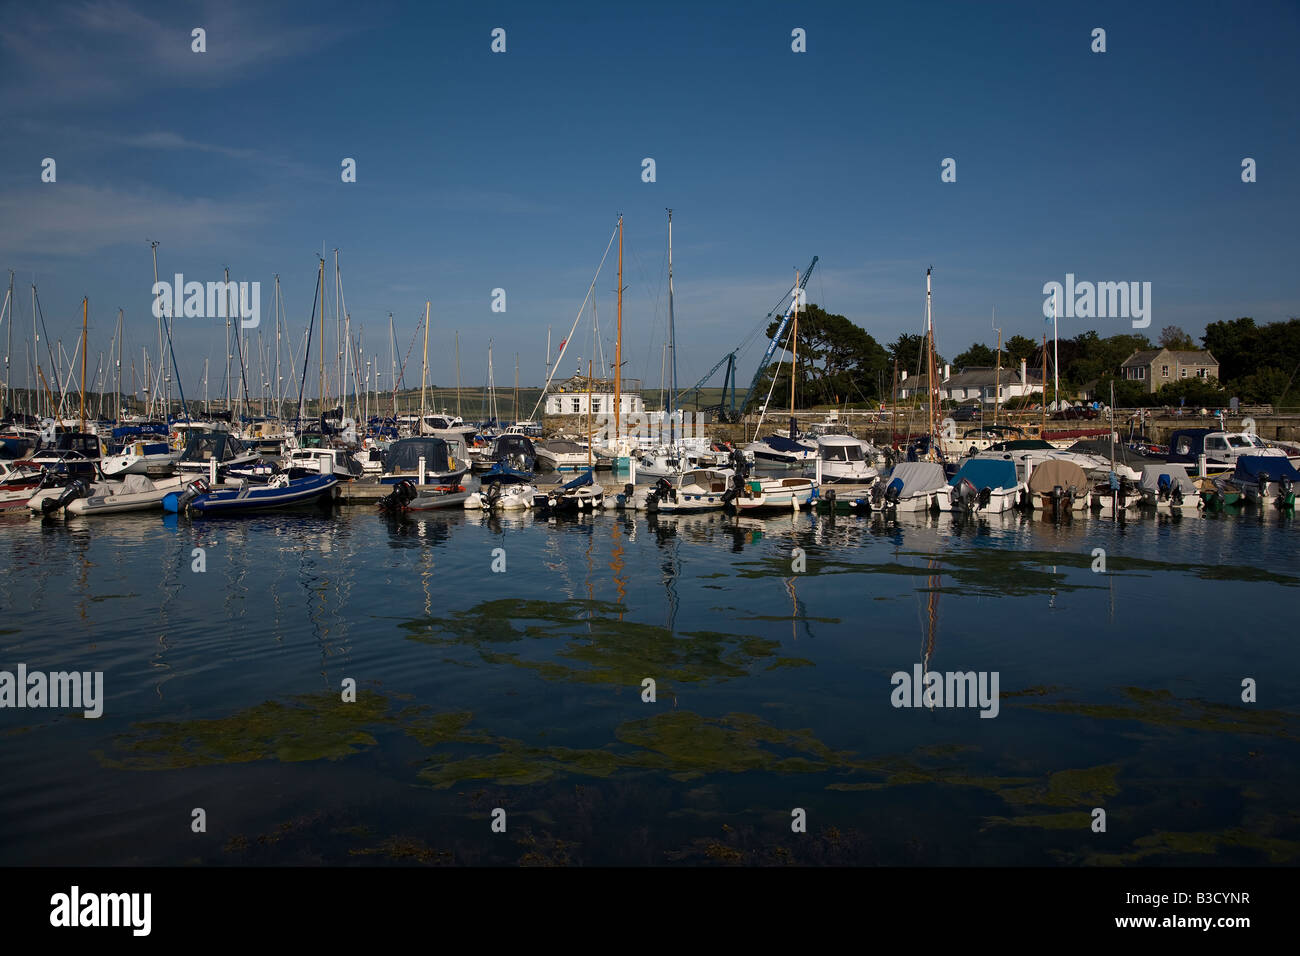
[
  {"x": 1264, "y": 387},
  {"x": 1020, "y": 349},
  {"x": 1175, "y": 339},
  {"x": 977, "y": 356},
  {"x": 1196, "y": 391},
  {"x": 838, "y": 362}
]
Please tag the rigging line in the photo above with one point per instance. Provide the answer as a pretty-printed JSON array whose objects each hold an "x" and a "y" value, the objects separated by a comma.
[{"x": 577, "y": 318}]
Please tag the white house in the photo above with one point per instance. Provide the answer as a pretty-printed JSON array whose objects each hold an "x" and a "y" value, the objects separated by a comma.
[{"x": 571, "y": 398}]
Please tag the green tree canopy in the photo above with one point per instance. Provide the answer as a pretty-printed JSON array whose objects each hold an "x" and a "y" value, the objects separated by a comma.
[
  {"x": 838, "y": 362},
  {"x": 977, "y": 356},
  {"x": 1175, "y": 339}
]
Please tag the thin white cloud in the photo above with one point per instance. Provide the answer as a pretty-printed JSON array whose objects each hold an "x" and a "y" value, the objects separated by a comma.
[{"x": 75, "y": 220}]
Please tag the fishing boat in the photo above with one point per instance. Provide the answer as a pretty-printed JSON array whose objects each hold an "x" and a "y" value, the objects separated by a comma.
[
  {"x": 1058, "y": 487},
  {"x": 845, "y": 459},
  {"x": 1168, "y": 488},
  {"x": 1266, "y": 481},
  {"x": 704, "y": 489},
  {"x": 428, "y": 460},
  {"x": 914, "y": 486},
  {"x": 1219, "y": 493},
  {"x": 143, "y": 457},
  {"x": 198, "y": 497},
  {"x": 986, "y": 486}
]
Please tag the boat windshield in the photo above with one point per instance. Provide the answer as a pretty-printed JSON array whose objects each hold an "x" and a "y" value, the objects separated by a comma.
[
  {"x": 1238, "y": 441},
  {"x": 405, "y": 455}
]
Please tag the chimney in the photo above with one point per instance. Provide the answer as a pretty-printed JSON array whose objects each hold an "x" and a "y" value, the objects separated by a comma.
[
  {"x": 904, "y": 378},
  {"x": 947, "y": 372},
  {"x": 1024, "y": 372}
]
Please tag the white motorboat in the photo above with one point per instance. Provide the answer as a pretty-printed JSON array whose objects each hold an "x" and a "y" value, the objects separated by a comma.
[
  {"x": 1266, "y": 481},
  {"x": 1058, "y": 486},
  {"x": 561, "y": 454},
  {"x": 300, "y": 461},
  {"x": 1168, "y": 488},
  {"x": 140, "y": 458},
  {"x": 502, "y": 497},
  {"x": 914, "y": 486},
  {"x": 845, "y": 458},
  {"x": 703, "y": 489},
  {"x": 780, "y": 450},
  {"x": 986, "y": 486},
  {"x": 773, "y": 494}
]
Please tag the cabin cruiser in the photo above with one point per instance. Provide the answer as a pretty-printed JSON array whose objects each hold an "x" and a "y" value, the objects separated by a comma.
[
  {"x": 441, "y": 466},
  {"x": 562, "y": 454},
  {"x": 780, "y": 450},
  {"x": 143, "y": 457},
  {"x": 981, "y": 438},
  {"x": 1129, "y": 461},
  {"x": 986, "y": 485},
  {"x": 1168, "y": 488},
  {"x": 511, "y": 458},
  {"x": 371, "y": 456},
  {"x": 1267, "y": 481},
  {"x": 75, "y": 454},
  {"x": 300, "y": 462},
  {"x": 1221, "y": 449},
  {"x": 229, "y": 453},
  {"x": 845, "y": 458},
  {"x": 702, "y": 489},
  {"x": 446, "y": 426}
]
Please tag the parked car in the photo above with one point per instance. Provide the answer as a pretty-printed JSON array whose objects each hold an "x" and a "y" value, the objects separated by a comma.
[{"x": 968, "y": 413}]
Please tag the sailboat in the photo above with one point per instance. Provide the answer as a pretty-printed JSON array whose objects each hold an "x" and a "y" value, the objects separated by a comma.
[{"x": 582, "y": 493}]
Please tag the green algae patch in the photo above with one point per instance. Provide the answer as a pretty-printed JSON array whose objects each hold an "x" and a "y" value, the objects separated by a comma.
[
  {"x": 1067, "y": 788},
  {"x": 1206, "y": 843},
  {"x": 1162, "y": 708},
  {"x": 310, "y": 727},
  {"x": 596, "y": 646},
  {"x": 790, "y": 662},
  {"x": 1081, "y": 821}
]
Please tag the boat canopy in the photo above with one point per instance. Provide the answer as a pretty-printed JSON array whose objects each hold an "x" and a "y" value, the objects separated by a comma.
[
  {"x": 405, "y": 455},
  {"x": 513, "y": 445},
  {"x": 1057, "y": 471},
  {"x": 1166, "y": 477},
  {"x": 917, "y": 478},
  {"x": 1023, "y": 444},
  {"x": 781, "y": 443},
  {"x": 992, "y": 473},
  {"x": 1249, "y": 468},
  {"x": 135, "y": 431},
  {"x": 586, "y": 478},
  {"x": 1124, "y": 455},
  {"x": 1187, "y": 444},
  {"x": 205, "y": 446}
]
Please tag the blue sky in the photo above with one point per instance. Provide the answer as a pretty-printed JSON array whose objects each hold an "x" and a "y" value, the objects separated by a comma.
[{"x": 478, "y": 170}]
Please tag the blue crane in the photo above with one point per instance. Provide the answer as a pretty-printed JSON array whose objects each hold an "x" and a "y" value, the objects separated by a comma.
[{"x": 776, "y": 338}]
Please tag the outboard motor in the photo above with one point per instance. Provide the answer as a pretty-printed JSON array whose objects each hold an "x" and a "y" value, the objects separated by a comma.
[
  {"x": 830, "y": 499},
  {"x": 74, "y": 490},
  {"x": 1263, "y": 479},
  {"x": 662, "y": 491},
  {"x": 986, "y": 495},
  {"x": 894, "y": 492},
  {"x": 401, "y": 495},
  {"x": 493, "y": 495},
  {"x": 877, "y": 495},
  {"x": 1058, "y": 495},
  {"x": 964, "y": 495},
  {"x": 199, "y": 486}
]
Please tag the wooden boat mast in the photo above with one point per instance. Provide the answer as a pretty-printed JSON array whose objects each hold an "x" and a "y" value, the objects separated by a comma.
[
  {"x": 1042, "y": 429},
  {"x": 589, "y": 403},
  {"x": 997, "y": 376}
]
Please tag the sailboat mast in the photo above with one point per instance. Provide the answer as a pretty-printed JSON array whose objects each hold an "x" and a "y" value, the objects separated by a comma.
[
  {"x": 618, "y": 345},
  {"x": 320, "y": 409},
  {"x": 1056, "y": 357},
  {"x": 9, "y": 342},
  {"x": 1043, "y": 427},
  {"x": 424, "y": 367},
  {"x": 118, "y": 377},
  {"x": 672, "y": 333},
  {"x": 458, "y": 373},
  {"x": 997, "y": 379},
  {"x": 515, "y": 412},
  {"x": 794, "y": 360},
  {"x": 589, "y": 408},
  {"x": 85, "y": 318}
]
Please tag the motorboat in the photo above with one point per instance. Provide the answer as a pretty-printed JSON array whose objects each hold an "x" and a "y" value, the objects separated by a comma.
[
  {"x": 511, "y": 459},
  {"x": 19, "y": 484},
  {"x": 1267, "y": 481},
  {"x": 74, "y": 454},
  {"x": 1058, "y": 487},
  {"x": 199, "y": 498},
  {"x": 562, "y": 454},
  {"x": 914, "y": 486},
  {"x": 440, "y": 466},
  {"x": 780, "y": 450},
  {"x": 986, "y": 486},
  {"x": 141, "y": 457},
  {"x": 582, "y": 494},
  {"x": 846, "y": 459},
  {"x": 205, "y": 447},
  {"x": 703, "y": 489},
  {"x": 1168, "y": 488},
  {"x": 755, "y": 495},
  {"x": 406, "y": 497},
  {"x": 502, "y": 497},
  {"x": 134, "y": 492},
  {"x": 316, "y": 461}
]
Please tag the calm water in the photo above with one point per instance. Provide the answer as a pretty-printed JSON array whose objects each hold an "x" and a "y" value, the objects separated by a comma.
[{"x": 522, "y": 690}]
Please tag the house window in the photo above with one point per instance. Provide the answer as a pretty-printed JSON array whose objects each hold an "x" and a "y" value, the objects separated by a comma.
[
  {"x": 577, "y": 406},
  {"x": 1164, "y": 371},
  {"x": 1184, "y": 372},
  {"x": 1200, "y": 372},
  {"x": 595, "y": 406},
  {"x": 1139, "y": 372}
]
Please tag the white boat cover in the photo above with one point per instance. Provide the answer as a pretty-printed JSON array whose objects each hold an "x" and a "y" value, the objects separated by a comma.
[
  {"x": 1173, "y": 475},
  {"x": 918, "y": 477}
]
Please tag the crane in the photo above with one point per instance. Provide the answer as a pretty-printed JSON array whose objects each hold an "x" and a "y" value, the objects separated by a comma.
[{"x": 776, "y": 338}]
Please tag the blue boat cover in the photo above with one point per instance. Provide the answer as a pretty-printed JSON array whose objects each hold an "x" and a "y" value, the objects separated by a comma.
[
  {"x": 987, "y": 473},
  {"x": 781, "y": 443},
  {"x": 583, "y": 479},
  {"x": 1276, "y": 467}
]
